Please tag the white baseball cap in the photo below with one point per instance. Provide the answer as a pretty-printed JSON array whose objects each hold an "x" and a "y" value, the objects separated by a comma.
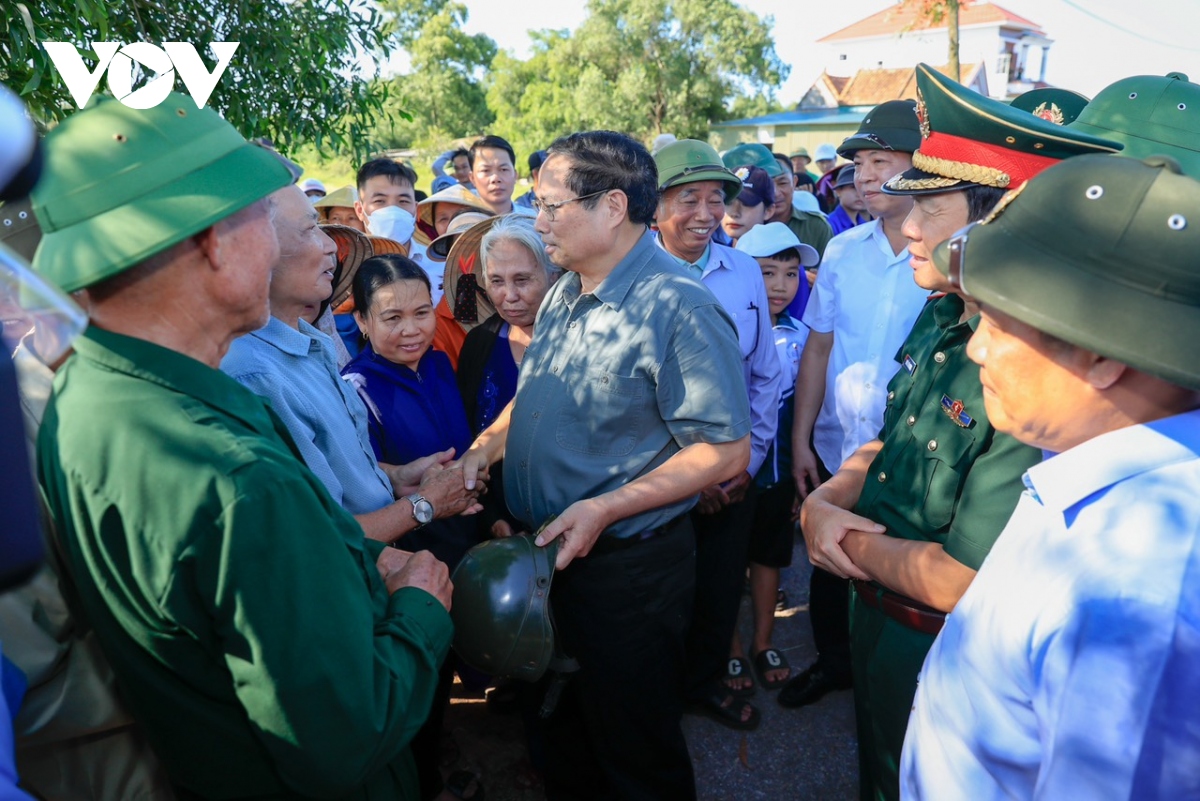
[
  {"x": 763, "y": 241},
  {"x": 825, "y": 151},
  {"x": 311, "y": 184}
]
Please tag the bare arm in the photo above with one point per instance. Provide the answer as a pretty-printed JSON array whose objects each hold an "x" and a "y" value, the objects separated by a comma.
[
  {"x": 695, "y": 467},
  {"x": 920, "y": 570},
  {"x": 825, "y": 519},
  {"x": 810, "y": 393},
  {"x": 487, "y": 449}
]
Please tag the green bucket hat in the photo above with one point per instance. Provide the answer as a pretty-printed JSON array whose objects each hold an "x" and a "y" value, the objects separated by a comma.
[
  {"x": 1097, "y": 251},
  {"x": 752, "y": 155},
  {"x": 888, "y": 126},
  {"x": 121, "y": 185},
  {"x": 971, "y": 140},
  {"x": 1151, "y": 116},
  {"x": 687, "y": 161}
]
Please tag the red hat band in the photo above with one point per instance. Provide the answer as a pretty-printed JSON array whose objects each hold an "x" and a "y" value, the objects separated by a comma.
[{"x": 978, "y": 162}]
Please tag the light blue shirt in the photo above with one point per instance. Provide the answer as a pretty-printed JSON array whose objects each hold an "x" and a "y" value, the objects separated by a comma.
[
  {"x": 296, "y": 371},
  {"x": 1071, "y": 666},
  {"x": 736, "y": 280}
]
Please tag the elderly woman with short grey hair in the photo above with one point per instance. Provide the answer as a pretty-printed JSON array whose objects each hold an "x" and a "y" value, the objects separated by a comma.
[{"x": 517, "y": 274}]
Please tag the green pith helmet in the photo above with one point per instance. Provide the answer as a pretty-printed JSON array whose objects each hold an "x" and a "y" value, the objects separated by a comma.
[
  {"x": 749, "y": 154},
  {"x": 1052, "y": 104},
  {"x": 1151, "y": 116},
  {"x": 501, "y": 607},
  {"x": 690, "y": 160},
  {"x": 121, "y": 185},
  {"x": 970, "y": 140},
  {"x": 1097, "y": 251},
  {"x": 888, "y": 126}
]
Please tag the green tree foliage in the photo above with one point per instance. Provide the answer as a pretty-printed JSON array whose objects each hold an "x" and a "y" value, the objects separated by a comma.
[
  {"x": 443, "y": 90},
  {"x": 640, "y": 66},
  {"x": 293, "y": 79}
]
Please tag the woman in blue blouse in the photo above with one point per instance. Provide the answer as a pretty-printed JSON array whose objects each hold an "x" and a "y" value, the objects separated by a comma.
[{"x": 412, "y": 399}]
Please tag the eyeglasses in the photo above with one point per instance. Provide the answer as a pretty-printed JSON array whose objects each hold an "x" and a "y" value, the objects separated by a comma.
[
  {"x": 957, "y": 256},
  {"x": 551, "y": 209}
]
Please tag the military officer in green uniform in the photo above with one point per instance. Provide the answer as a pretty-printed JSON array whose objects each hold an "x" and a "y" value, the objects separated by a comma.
[
  {"x": 912, "y": 514},
  {"x": 267, "y": 647}
]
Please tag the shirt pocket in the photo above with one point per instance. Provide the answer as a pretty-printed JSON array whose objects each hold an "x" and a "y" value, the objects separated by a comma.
[
  {"x": 746, "y": 322},
  {"x": 943, "y": 447},
  {"x": 604, "y": 414}
]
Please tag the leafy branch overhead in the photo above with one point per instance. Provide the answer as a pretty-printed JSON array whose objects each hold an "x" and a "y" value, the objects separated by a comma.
[{"x": 298, "y": 75}]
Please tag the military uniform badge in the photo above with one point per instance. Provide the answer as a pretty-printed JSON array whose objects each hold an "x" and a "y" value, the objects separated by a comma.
[
  {"x": 910, "y": 366},
  {"x": 1050, "y": 112},
  {"x": 956, "y": 411}
]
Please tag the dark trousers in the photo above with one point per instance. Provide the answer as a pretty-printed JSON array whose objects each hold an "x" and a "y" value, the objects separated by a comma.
[
  {"x": 722, "y": 541},
  {"x": 622, "y": 613},
  {"x": 829, "y": 611}
]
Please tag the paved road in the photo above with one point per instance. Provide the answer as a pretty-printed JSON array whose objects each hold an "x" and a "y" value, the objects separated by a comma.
[{"x": 798, "y": 754}]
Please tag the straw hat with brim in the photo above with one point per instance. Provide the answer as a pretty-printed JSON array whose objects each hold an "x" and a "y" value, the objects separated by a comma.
[
  {"x": 439, "y": 249},
  {"x": 353, "y": 248},
  {"x": 689, "y": 161},
  {"x": 465, "y": 258},
  {"x": 1097, "y": 251},
  {"x": 971, "y": 140},
  {"x": 121, "y": 185},
  {"x": 1151, "y": 116},
  {"x": 457, "y": 194},
  {"x": 343, "y": 198}
]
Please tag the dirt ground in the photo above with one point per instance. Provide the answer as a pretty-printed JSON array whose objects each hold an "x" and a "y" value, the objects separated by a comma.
[{"x": 808, "y": 753}]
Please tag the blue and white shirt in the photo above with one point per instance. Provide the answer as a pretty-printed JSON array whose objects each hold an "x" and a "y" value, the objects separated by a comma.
[{"x": 1071, "y": 666}]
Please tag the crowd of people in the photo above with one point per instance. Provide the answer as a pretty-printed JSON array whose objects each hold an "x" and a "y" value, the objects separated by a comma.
[{"x": 959, "y": 365}]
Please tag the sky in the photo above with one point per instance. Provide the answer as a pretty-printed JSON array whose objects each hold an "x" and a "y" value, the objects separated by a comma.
[{"x": 1096, "y": 42}]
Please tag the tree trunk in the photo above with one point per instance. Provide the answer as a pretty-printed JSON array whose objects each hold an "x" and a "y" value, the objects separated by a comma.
[{"x": 952, "y": 26}]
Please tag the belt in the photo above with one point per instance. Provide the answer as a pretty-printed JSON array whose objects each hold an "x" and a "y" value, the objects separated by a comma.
[
  {"x": 905, "y": 611},
  {"x": 608, "y": 544}
]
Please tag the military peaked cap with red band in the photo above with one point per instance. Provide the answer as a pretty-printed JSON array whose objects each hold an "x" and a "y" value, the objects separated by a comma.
[{"x": 968, "y": 139}]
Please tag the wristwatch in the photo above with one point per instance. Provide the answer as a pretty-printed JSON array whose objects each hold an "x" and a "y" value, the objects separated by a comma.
[{"x": 422, "y": 509}]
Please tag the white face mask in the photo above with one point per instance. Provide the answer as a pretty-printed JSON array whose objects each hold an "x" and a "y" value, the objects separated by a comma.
[{"x": 392, "y": 222}]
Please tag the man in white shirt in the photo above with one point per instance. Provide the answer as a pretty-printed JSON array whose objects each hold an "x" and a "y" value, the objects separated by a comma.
[
  {"x": 1070, "y": 668},
  {"x": 862, "y": 307}
]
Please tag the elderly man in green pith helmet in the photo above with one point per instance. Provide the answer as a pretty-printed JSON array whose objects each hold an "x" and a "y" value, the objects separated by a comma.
[
  {"x": 912, "y": 514},
  {"x": 809, "y": 227},
  {"x": 1070, "y": 667},
  {"x": 232, "y": 595}
]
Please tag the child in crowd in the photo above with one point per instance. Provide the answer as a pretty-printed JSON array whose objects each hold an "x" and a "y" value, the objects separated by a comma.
[{"x": 782, "y": 258}]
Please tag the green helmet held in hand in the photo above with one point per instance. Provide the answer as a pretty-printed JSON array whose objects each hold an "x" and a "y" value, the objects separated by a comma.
[{"x": 501, "y": 607}]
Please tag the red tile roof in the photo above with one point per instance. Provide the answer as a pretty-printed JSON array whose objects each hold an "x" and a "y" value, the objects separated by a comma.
[
  {"x": 905, "y": 16},
  {"x": 872, "y": 87}
]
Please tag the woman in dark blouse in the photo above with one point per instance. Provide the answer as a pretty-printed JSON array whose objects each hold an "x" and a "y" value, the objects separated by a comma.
[{"x": 517, "y": 274}]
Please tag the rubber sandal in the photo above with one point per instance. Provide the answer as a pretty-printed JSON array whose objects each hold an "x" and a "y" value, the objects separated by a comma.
[
  {"x": 768, "y": 660},
  {"x": 738, "y": 668},
  {"x": 729, "y": 715},
  {"x": 781, "y": 600},
  {"x": 460, "y": 782}
]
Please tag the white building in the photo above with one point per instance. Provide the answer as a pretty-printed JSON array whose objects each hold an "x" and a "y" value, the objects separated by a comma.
[{"x": 1012, "y": 49}]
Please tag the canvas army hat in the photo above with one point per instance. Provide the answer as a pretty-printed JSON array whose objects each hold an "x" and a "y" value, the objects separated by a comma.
[
  {"x": 968, "y": 140},
  {"x": 1052, "y": 104},
  {"x": 687, "y": 161},
  {"x": 888, "y": 126},
  {"x": 1151, "y": 116},
  {"x": 121, "y": 185},
  {"x": 1097, "y": 251},
  {"x": 749, "y": 154}
]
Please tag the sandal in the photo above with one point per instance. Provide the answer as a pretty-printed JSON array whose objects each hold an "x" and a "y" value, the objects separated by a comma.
[
  {"x": 722, "y": 706},
  {"x": 460, "y": 783},
  {"x": 771, "y": 660},
  {"x": 738, "y": 668}
]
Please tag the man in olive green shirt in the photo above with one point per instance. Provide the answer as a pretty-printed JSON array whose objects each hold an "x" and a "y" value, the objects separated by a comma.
[
  {"x": 911, "y": 515},
  {"x": 267, "y": 647}
]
